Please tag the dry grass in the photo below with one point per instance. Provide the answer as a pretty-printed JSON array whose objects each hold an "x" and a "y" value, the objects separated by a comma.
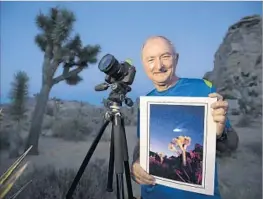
[
  {"x": 243, "y": 121},
  {"x": 51, "y": 183},
  {"x": 72, "y": 129}
]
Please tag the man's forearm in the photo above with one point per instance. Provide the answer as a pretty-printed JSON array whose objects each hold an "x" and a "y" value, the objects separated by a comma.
[
  {"x": 136, "y": 152},
  {"x": 230, "y": 144}
]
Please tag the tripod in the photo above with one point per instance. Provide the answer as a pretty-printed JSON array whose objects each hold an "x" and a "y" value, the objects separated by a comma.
[{"x": 118, "y": 153}]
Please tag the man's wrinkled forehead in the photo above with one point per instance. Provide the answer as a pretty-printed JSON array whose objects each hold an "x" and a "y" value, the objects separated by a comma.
[{"x": 153, "y": 38}]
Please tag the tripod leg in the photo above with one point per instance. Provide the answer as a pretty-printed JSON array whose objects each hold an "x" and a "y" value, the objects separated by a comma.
[
  {"x": 126, "y": 161},
  {"x": 118, "y": 155},
  {"x": 86, "y": 160},
  {"x": 120, "y": 189},
  {"x": 111, "y": 162}
]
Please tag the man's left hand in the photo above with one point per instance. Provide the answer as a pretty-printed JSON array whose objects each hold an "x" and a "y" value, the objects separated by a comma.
[{"x": 219, "y": 112}]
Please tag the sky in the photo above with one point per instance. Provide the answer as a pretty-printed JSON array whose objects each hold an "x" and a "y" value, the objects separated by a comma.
[
  {"x": 196, "y": 29},
  {"x": 170, "y": 121}
]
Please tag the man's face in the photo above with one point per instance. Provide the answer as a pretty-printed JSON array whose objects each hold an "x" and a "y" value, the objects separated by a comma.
[{"x": 159, "y": 61}]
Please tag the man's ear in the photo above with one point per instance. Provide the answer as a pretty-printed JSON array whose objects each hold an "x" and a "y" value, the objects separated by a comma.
[{"x": 176, "y": 58}]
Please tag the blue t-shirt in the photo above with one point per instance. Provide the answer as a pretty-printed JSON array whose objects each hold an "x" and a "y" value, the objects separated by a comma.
[{"x": 185, "y": 87}]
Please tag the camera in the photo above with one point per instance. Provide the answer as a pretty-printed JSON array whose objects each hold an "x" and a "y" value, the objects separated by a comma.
[
  {"x": 117, "y": 72},
  {"x": 119, "y": 76}
]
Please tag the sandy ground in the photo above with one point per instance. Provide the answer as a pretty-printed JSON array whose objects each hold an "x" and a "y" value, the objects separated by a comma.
[{"x": 240, "y": 174}]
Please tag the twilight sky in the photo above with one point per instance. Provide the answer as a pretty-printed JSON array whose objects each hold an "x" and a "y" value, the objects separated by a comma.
[
  {"x": 169, "y": 121},
  {"x": 196, "y": 28}
]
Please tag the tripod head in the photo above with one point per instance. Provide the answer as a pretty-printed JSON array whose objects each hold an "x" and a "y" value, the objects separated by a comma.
[
  {"x": 119, "y": 77},
  {"x": 118, "y": 94}
]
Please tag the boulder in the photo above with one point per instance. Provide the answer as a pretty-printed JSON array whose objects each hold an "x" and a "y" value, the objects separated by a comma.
[{"x": 237, "y": 71}]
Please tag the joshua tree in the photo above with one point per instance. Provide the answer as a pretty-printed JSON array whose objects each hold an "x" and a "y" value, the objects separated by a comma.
[
  {"x": 18, "y": 96},
  {"x": 56, "y": 107},
  {"x": 60, "y": 50},
  {"x": 182, "y": 142}
]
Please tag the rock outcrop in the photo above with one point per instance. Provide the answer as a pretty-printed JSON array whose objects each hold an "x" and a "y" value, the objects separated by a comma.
[{"x": 237, "y": 72}]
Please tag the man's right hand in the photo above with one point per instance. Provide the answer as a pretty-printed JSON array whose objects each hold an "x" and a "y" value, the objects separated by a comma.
[{"x": 140, "y": 175}]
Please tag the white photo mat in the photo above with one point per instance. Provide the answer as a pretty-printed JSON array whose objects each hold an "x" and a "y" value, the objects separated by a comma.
[{"x": 209, "y": 142}]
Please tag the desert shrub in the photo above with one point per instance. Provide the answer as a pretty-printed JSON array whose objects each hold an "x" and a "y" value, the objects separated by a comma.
[
  {"x": 72, "y": 129},
  {"x": 127, "y": 120},
  {"x": 97, "y": 120},
  {"x": 25, "y": 125},
  {"x": 7, "y": 129},
  {"x": 51, "y": 183},
  {"x": 50, "y": 110},
  {"x": 235, "y": 112},
  {"x": 130, "y": 116},
  {"x": 243, "y": 121},
  {"x": 47, "y": 123},
  {"x": 3, "y": 133},
  {"x": 4, "y": 142},
  {"x": 255, "y": 148},
  {"x": 106, "y": 137}
]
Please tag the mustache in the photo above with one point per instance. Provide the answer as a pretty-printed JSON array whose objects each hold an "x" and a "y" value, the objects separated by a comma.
[{"x": 162, "y": 70}]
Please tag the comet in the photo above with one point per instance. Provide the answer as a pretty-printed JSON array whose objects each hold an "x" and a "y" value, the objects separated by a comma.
[{"x": 177, "y": 130}]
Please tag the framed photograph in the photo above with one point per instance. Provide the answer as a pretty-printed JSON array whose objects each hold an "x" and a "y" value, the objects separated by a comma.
[{"x": 178, "y": 142}]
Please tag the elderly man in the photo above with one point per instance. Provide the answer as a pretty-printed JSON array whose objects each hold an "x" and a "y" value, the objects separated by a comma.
[{"x": 160, "y": 59}]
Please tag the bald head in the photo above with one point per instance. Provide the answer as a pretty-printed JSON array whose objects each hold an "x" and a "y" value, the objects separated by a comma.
[
  {"x": 159, "y": 60},
  {"x": 159, "y": 37}
]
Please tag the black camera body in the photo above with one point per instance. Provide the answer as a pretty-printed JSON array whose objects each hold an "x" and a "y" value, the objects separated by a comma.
[
  {"x": 119, "y": 76},
  {"x": 117, "y": 72}
]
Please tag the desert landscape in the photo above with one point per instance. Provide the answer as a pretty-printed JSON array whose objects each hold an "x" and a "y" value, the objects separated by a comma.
[
  {"x": 68, "y": 128},
  {"x": 240, "y": 173}
]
